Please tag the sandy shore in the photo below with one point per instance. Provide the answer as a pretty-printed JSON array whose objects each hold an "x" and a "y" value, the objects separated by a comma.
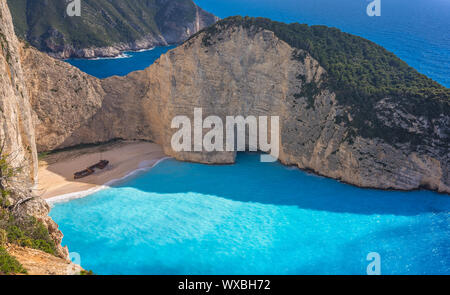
[{"x": 56, "y": 170}]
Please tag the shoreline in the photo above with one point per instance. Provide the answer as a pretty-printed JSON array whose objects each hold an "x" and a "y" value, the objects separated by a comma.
[
  {"x": 118, "y": 52},
  {"x": 82, "y": 194},
  {"x": 127, "y": 159},
  {"x": 121, "y": 55}
]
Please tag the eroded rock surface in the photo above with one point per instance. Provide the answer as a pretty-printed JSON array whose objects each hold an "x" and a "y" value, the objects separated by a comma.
[
  {"x": 244, "y": 72},
  {"x": 46, "y": 104},
  {"x": 38, "y": 263},
  {"x": 17, "y": 134},
  {"x": 106, "y": 28}
]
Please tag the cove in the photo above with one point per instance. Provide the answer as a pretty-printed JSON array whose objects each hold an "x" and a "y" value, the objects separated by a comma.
[
  {"x": 120, "y": 66},
  {"x": 253, "y": 218}
]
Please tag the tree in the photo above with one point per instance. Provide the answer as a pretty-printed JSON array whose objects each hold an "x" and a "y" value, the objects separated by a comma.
[
  {"x": 21, "y": 229},
  {"x": 9, "y": 178}
]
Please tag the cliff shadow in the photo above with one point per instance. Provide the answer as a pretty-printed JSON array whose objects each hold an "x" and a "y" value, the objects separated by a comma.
[{"x": 251, "y": 181}]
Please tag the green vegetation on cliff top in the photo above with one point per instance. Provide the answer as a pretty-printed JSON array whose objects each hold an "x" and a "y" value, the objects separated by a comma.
[
  {"x": 9, "y": 265},
  {"x": 360, "y": 72},
  {"x": 15, "y": 228},
  {"x": 45, "y": 24}
]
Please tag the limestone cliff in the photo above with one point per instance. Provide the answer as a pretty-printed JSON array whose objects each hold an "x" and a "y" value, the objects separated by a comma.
[
  {"x": 17, "y": 135},
  {"x": 63, "y": 98},
  {"x": 250, "y": 72},
  {"x": 17, "y": 132},
  {"x": 246, "y": 70}
]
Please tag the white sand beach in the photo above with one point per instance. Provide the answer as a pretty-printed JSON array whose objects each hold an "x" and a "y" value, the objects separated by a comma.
[{"x": 56, "y": 171}]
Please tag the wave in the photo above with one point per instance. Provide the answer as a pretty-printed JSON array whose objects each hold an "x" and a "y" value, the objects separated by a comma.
[
  {"x": 82, "y": 194},
  {"x": 125, "y": 54},
  {"x": 144, "y": 50},
  {"x": 120, "y": 56}
]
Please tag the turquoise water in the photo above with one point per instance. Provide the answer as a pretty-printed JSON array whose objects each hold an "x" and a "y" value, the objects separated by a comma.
[
  {"x": 259, "y": 218},
  {"x": 254, "y": 218}
]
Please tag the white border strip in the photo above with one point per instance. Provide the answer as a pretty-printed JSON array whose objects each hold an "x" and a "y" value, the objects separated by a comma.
[{"x": 78, "y": 195}]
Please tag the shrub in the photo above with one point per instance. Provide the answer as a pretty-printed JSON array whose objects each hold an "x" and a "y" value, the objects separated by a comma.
[
  {"x": 30, "y": 233},
  {"x": 26, "y": 231},
  {"x": 3, "y": 237},
  {"x": 9, "y": 265},
  {"x": 360, "y": 72}
]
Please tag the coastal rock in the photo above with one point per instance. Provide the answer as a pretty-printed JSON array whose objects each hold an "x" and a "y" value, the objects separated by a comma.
[
  {"x": 63, "y": 97},
  {"x": 40, "y": 263},
  {"x": 243, "y": 71},
  {"x": 16, "y": 131},
  {"x": 38, "y": 208},
  {"x": 17, "y": 134},
  {"x": 46, "y": 104},
  {"x": 106, "y": 28},
  {"x": 69, "y": 51},
  {"x": 252, "y": 73}
]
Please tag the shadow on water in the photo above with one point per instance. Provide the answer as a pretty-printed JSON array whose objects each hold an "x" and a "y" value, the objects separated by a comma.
[{"x": 274, "y": 184}]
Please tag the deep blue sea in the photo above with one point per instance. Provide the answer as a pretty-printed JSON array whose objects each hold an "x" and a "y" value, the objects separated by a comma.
[
  {"x": 259, "y": 218},
  {"x": 418, "y": 31},
  {"x": 120, "y": 66},
  {"x": 254, "y": 218}
]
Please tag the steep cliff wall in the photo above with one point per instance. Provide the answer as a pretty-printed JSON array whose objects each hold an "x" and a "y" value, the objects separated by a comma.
[
  {"x": 252, "y": 72},
  {"x": 248, "y": 70},
  {"x": 17, "y": 132},
  {"x": 106, "y": 27},
  {"x": 63, "y": 98}
]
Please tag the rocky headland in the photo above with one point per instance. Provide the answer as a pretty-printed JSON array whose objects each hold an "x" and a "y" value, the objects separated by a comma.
[
  {"x": 239, "y": 67},
  {"x": 359, "y": 115},
  {"x": 106, "y": 28}
]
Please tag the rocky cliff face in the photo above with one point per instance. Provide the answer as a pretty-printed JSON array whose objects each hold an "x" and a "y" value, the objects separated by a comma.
[
  {"x": 253, "y": 73},
  {"x": 105, "y": 28},
  {"x": 63, "y": 98},
  {"x": 38, "y": 263},
  {"x": 17, "y": 134},
  {"x": 239, "y": 71}
]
